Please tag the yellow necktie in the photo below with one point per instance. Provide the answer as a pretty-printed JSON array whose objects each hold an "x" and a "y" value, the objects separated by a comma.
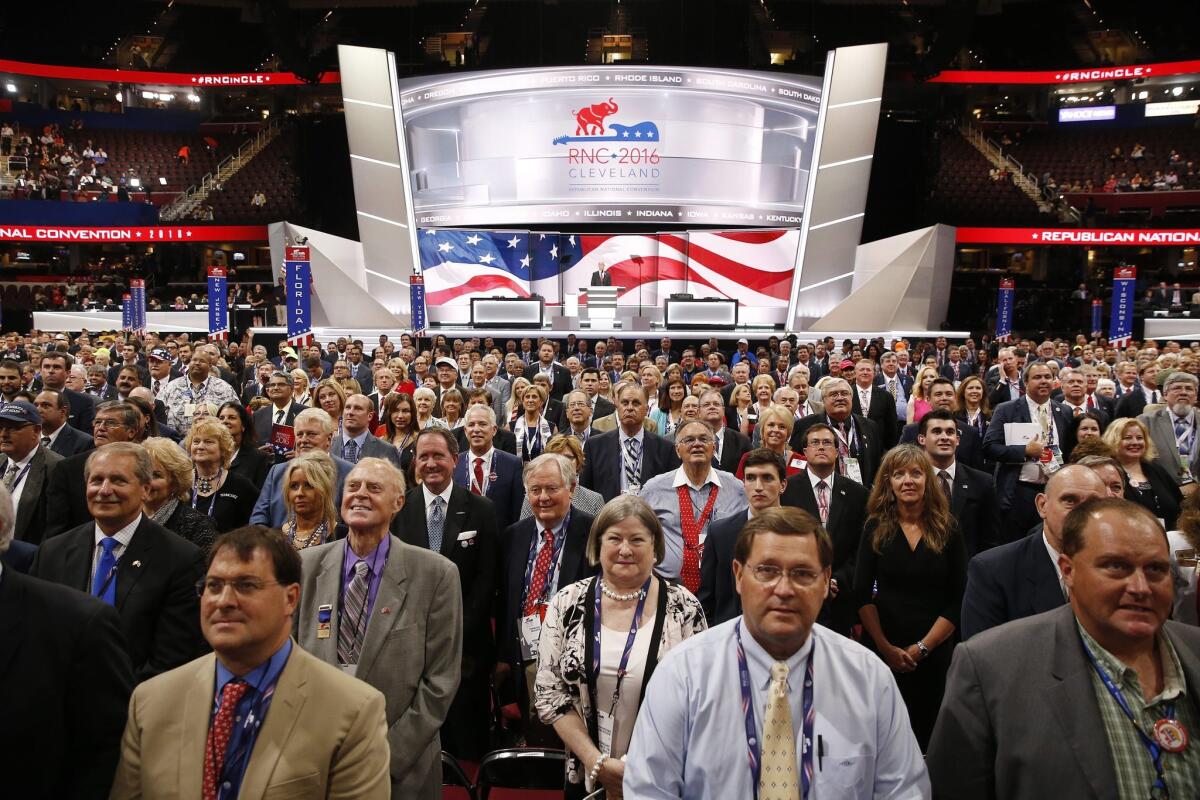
[{"x": 779, "y": 779}]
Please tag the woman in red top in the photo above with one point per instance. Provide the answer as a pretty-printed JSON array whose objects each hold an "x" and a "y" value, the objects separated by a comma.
[{"x": 776, "y": 423}]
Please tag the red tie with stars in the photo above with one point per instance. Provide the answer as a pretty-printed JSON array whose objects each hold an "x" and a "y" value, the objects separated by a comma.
[{"x": 218, "y": 737}]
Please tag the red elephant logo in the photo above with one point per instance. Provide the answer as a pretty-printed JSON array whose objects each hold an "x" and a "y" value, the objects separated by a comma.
[{"x": 589, "y": 120}]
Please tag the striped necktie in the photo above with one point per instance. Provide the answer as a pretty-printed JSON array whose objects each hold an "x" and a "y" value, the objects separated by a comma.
[
  {"x": 633, "y": 462},
  {"x": 353, "y": 625}
]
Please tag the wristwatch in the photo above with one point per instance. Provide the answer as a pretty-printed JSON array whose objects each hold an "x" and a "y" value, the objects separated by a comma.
[{"x": 924, "y": 650}]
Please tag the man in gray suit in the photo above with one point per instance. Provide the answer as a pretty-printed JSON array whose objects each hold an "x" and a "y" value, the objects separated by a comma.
[
  {"x": 1060, "y": 741},
  {"x": 25, "y": 466},
  {"x": 355, "y": 441},
  {"x": 391, "y": 615},
  {"x": 1174, "y": 428}
]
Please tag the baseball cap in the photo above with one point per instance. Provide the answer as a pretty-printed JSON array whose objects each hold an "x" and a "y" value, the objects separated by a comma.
[
  {"x": 289, "y": 353},
  {"x": 21, "y": 412},
  {"x": 60, "y": 337},
  {"x": 160, "y": 353},
  {"x": 446, "y": 361},
  {"x": 743, "y": 341}
]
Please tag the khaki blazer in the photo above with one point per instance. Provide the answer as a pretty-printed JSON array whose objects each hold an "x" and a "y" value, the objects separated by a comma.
[
  {"x": 609, "y": 423},
  {"x": 324, "y": 736},
  {"x": 412, "y": 651}
]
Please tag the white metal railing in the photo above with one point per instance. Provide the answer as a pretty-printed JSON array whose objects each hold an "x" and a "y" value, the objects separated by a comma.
[{"x": 195, "y": 194}]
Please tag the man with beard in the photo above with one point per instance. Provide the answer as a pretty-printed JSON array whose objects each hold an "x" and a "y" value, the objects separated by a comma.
[
  {"x": 55, "y": 367},
  {"x": 1173, "y": 430},
  {"x": 10, "y": 380},
  {"x": 183, "y": 396}
]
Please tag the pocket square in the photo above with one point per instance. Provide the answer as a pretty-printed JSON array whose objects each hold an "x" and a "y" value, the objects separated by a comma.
[{"x": 466, "y": 536}]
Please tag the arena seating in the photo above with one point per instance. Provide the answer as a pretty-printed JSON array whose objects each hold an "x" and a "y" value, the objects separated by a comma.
[
  {"x": 964, "y": 194},
  {"x": 273, "y": 173}
]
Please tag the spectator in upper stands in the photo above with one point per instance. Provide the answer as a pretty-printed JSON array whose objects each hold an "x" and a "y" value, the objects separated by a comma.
[
  {"x": 183, "y": 155},
  {"x": 1137, "y": 152},
  {"x": 259, "y": 199}
]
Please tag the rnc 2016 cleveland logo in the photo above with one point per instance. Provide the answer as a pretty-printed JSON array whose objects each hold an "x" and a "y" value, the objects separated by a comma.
[{"x": 633, "y": 157}]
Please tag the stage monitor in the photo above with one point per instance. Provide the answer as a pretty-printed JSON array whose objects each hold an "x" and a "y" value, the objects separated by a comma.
[{"x": 610, "y": 145}]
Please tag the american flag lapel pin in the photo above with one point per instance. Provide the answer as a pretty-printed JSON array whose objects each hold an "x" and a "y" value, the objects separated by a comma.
[
  {"x": 386, "y": 610},
  {"x": 137, "y": 564}
]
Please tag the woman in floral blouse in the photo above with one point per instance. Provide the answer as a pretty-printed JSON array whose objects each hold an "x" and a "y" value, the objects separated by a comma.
[{"x": 641, "y": 617}]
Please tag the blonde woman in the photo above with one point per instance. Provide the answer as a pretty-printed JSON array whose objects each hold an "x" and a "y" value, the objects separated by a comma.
[
  {"x": 919, "y": 403},
  {"x": 651, "y": 379},
  {"x": 331, "y": 396},
  {"x": 515, "y": 408},
  {"x": 226, "y": 497},
  {"x": 300, "y": 387},
  {"x": 532, "y": 429},
  {"x": 309, "y": 488},
  {"x": 170, "y": 488},
  {"x": 1146, "y": 482}
]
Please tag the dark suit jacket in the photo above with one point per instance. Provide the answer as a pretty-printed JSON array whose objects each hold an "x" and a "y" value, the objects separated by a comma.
[
  {"x": 71, "y": 440},
  {"x": 970, "y": 446},
  {"x": 602, "y": 461},
  {"x": 503, "y": 440},
  {"x": 515, "y": 546},
  {"x": 252, "y": 389},
  {"x": 1008, "y": 459},
  {"x": 1132, "y": 404},
  {"x": 717, "y": 594},
  {"x": 31, "y": 511},
  {"x": 83, "y": 410},
  {"x": 1009, "y": 582},
  {"x": 476, "y": 559},
  {"x": 156, "y": 591},
  {"x": 882, "y": 413},
  {"x": 115, "y": 370},
  {"x": 251, "y": 465},
  {"x": 562, "y": 378},
  {"x": 601, "y": 278},
  {"x": 734, "y": 445},
  {"x": 1052, "y": 744},
  {"x": 964, "y": 370},
  {"x": 870, "y": 445},
  {"x": 847, "y": 515},
  {"x": 19, "y": 556},
  {"x": 973, "y": 504},
  {"x": 373, "y": 447},
  {"x": 65, "y": 675},
  {"x": 66, "y": 497},
  {"x": 504, "y": 488},
  {"x": 264, "y": 419},
  {"x": 602, "y": 408},
  {"x": 1000, "y": 394}
]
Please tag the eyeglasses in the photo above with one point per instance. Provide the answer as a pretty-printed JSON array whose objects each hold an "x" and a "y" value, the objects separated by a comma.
[
  {"x": 242, "y": 587},
  {"x": 107, "y": 423},
  {"x": 769, "y": 574},
  {"x": 688, "y": 441},
  {"x": 821, "y": 444}
]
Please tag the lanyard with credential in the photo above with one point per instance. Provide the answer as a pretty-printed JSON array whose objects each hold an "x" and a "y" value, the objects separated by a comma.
[
  {"x": 633, "y": 629},
  {"x": 560, "y": 537},
  {"x": 1159, "y": 789},
  {"x": 752, "y": 743}
]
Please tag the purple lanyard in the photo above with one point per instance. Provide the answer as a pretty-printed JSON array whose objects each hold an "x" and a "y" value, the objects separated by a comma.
[
  {"x": 633, "y": 629},
  {"x": 752, "y": 743}
]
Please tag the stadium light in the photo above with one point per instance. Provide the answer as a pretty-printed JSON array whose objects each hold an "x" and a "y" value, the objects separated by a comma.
[
  {"x": 195, "y": 98},
  {"x": 135, "y": 182},
  {"x": 1178, "y": 90},
  {"x": 120, "y": 97},
  {"x": 162, "y": 181},
  {"x": 11, "y": 88}
]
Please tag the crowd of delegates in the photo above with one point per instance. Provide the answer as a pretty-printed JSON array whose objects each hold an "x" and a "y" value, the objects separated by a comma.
[{"x": 383, "y": 547}]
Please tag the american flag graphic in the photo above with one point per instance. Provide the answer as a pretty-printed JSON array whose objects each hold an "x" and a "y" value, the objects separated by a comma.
[{"x": 753, "y": 267}]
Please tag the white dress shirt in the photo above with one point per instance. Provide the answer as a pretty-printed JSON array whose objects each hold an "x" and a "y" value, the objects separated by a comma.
[
  {"x": 22, "y": 475},
  {"x": 123, "y": 537},
  {"x": 444, "y": 494},
  {"x": 689, "y": 740},
  {"x": 621, "y": 439},
  {"x": 486, "y": 466}
]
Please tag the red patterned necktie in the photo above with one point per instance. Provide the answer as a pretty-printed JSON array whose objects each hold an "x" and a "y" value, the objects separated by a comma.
[
  {"x": 218, "y": 736},
  {"x": 477, "y": 487},
  {"x": 537, "y": 581},
  {"x": 693, "y": 548}
]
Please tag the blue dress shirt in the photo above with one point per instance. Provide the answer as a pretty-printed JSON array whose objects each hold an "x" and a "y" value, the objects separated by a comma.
[{"x": 376, "y": 561}]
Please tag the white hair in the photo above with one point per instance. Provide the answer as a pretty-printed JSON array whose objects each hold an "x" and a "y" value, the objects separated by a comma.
[
  {"x": 564, "y": 465},
  {"x": 320, "y": 415}
]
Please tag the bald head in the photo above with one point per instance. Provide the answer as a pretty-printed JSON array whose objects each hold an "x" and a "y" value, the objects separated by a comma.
[
  {"x": 1066, "y": 489},
  {"x": 356, "y": 415}
]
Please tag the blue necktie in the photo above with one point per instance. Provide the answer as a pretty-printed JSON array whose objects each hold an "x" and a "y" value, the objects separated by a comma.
[
  {"x": 102, "y": 586},
  {"x": 437, "y": 522},
  {"x": 351, "y": 451}
]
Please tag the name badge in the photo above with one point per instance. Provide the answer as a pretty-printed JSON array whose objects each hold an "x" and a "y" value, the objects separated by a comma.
[
  {"x": 531, "y": 629},
  {"x": 324, "y": 617},
  {"x": 606, "y": 726},
  {"x": 1185, "y": 471},
  {"x": 853, "y": 470},
  {"x": 1185, "y": 558},
  {"x": 189, "y": 410}
]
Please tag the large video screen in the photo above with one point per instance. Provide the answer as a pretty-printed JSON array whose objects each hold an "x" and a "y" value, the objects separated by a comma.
[{"x": 610, "y": 144}]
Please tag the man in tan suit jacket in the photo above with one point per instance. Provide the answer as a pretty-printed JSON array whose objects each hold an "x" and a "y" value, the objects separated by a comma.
[
  {"x": 319, "y": 734},
  {"x": 410, "y": 639},
  {"x": 609, "y": 423}
]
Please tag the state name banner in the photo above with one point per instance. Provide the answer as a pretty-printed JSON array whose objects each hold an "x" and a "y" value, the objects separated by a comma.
[
  {"x": 1120, "y": 326},
  {"x": 126, "y": 312},
  {"x": 1004, "y": 310},
  {"x": 137, "y": 296},
  {"x": 416, "y": 294},
  {"x": 218, "y": 303},
  {"x": 298, "y": 279},
  {"x": 1097, "y": 318}
]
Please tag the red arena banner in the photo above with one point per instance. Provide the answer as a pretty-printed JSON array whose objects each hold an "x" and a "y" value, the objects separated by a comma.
[
  {"x": 120, "y": 233},
  {"x": 1079, "y": 236},
  {"x": 199, "y": 80},
  {"x": 1067, "y": 75}
]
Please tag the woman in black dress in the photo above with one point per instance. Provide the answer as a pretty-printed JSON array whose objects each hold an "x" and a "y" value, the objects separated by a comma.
[
  {"x": 909, "y": 580},
  {"x": 1147, "y": 483},
  {"x": 170, "y": 489},
  {"x": 248, "y": 462},
  {"x": 227, "y": 498}
]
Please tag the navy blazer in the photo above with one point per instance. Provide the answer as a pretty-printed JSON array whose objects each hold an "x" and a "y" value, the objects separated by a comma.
[
  {"x": 973, "y": 504},
  {"x": 83, "y": 410},
  {"x": 1008, "y": 582},
  {"x": 19, "y": 555},
  {"x": 269, "y": 509},
  {"x": 1008, "y": 459},
  {"x": 373, "y": 447},
  {"x": 504, "y": 485},
  {"x": 71, "y": 441},
  {"x": 603, "y": 463},
  {"x": 515, "y": 543},
  {"x": 970, "y": 445},
  {"x": 717, "y": 594},
  {"x": 504, "y": 439}
]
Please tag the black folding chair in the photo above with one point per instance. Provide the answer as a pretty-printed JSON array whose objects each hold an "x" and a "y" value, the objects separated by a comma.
[
  {"x": 454, "y": 775},
  {"x": 520, "y": 768}
]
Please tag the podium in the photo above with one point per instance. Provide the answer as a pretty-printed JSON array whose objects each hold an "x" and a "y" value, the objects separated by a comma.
[{"x": 602, "y": 306}]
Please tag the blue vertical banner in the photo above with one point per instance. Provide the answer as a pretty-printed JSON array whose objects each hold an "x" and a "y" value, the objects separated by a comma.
[
  {"x": 1097, "y": 318},
  {"x": 218, "y": 303},
  {"x": 1004, "y": 310},
  {"x": 137, "y": 296},
  {"x": 298, "y": 280},
  {"x": 126, "y": 312},
  {"x": 1120, "y": 326},
  {"x": 416, "y": 298}
]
